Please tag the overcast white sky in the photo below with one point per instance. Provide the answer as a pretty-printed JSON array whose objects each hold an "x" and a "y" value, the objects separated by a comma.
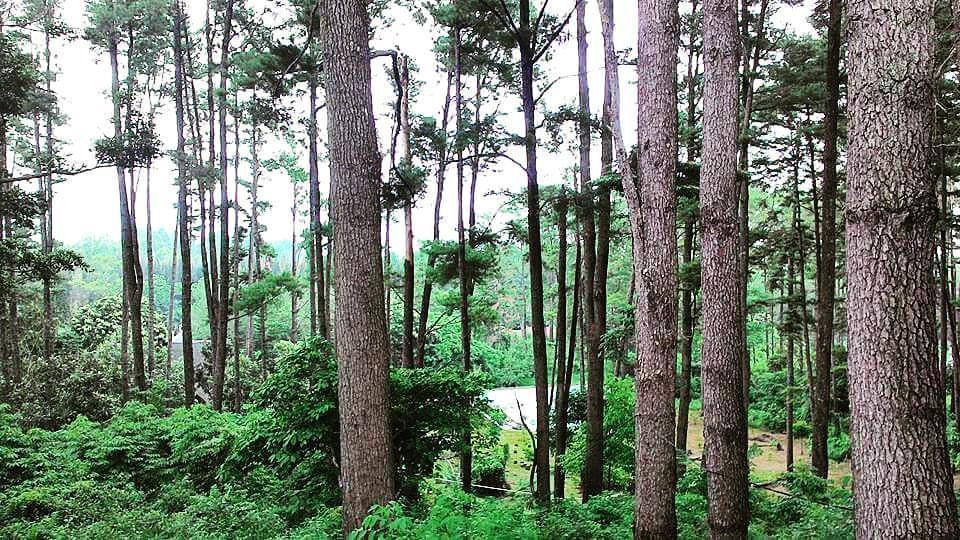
[{"x": 87, "y": 205}]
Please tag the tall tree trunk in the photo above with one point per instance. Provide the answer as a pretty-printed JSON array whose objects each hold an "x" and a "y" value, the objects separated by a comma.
[
  {"x": 687, "y": 293},
  {"x": 560, "y": 387},
  {"x": 294, "y": 294},
  {"x": 653, "y": 212},
  {"x": 189, "y": 385},
  {"x": 724, "y": 422},
  {"x": 751, "y": 60},
  {"x": 168, "y": 367},
  {"x": 826, "y": 273},
  {"x": 317, "y": 320},
  {"x": 563, "y": 396},
  {"x": 366, "y": 472},
  {"x": 431, "y": 259},
  {"x": 527, "y": 64},
  {"x": 902, "y": 480},
  {"x": 223, "y": 291},
  {"x": 788, "y": 395},
  {"x": 466, "y": 456},
  {"x": 408, "y": 277},
  {"x": 235, "y": 257},
  {"x": 591, "y": 480},
  {"x": 127, "y": 235}
]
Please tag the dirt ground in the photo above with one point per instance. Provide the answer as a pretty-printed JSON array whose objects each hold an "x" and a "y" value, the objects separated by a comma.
[{"x": 767, "y": 464}]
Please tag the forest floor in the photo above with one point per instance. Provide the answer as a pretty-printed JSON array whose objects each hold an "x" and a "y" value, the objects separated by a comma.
[{"x": 767, "y": 461}]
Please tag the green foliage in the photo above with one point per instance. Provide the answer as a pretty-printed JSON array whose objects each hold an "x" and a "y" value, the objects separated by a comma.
[
  {"x": 293, "y": 427},
  {"x": 767, "y": 397},
  {"x": 618, "y": 436},
  {"x": 92, "y": 325},
  {"x": 18, "y": 77}
]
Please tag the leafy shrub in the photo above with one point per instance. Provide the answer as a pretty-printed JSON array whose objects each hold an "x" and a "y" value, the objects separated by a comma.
[{"x": 293, "y": 429}]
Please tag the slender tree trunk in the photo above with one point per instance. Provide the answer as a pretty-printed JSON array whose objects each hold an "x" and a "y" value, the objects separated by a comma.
[
  {"x": 127, "y": 238},
  {"x": 826, "y": 275},
  {"x": 168, "y": 367},
  {"x": 591, "y": 480},
  {"x": 363, "y": 363},
  {"x": 561, "y": 348},
  {"x": 527, "y": 63},
  {"x": 725, "y": 437},
  {"x": 294, "y": 294},
  {"x": 151, "y": 287},
  {"x": 223, "y": 291},
  {"x": 563, "y": 396},
  {"x": 431, "y": 259},
  {"x": 466, "y": 456},
  {"x": 788, "y": 395},
  {"x": 902, "y": 481},
  {"x": 687, "y": 293},
  {"x": 408, "y": 277},
  {"x": 317, "y": 321},
  {"x": 189, "y": 385}
]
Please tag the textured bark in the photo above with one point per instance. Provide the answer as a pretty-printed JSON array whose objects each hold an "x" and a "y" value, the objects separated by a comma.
[
  {"x": 591, "y": 480},
  {"x": 826, "y": 272},
  {"x": 189, "y": 385},
  {"x": 902, "y": 481},
  {"x": 528, "y": 60},
  {"x": 366, "y": 473},
  {"x": 223, "y": 288},
  {"x": 724, "y": 422},
  {"x": 652, "y": 201}
]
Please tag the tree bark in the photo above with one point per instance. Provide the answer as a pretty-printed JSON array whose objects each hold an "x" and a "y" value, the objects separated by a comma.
[
  {"x": 902, "y": 480},
  {"x": 189, "y": 385},
  {"x": 526, "y": 43},
  {"x": 725, "y": 426},
  {"x": 561, "y": 349},
  {"x": 652, "y": 202},
  {"x": 366, "y": 472},
  {"x": 591, "y": 479},
  {"x": 408, "y": 276},
  {"x": 826, "y": 274}
]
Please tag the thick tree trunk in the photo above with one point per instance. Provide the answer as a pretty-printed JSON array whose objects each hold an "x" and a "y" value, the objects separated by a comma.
[
  {"x": 366, "y": 467},
  {"x": 725, "y": 425},
  {"x": 902, "y": 481},
  {"x": 826, "y": 273},
  {"x": 653, "y": 216}
]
